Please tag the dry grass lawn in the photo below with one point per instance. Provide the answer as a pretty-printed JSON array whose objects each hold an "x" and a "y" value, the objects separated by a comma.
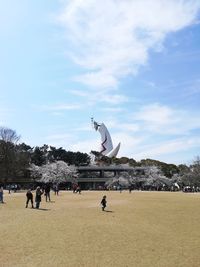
[{"x": 142, "y": 229}]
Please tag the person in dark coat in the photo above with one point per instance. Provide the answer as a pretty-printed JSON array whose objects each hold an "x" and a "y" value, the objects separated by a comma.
[
  {"x": 38, "y": 197},
  {"x": 29, "y": 197},
  {"x": 103, "y": 203},
  {"x": 130, "y": 188},
  {"x": 78, "y": 189},
  {"x": 74, "y": 187},
  {"x": 56, "y": 189},
  {"x": 47, "y": 190},
  {"x": 1, "y": 194}
]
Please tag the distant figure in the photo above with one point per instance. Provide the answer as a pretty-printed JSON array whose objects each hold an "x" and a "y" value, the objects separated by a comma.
[
  {"x": 103, "y": 203},
  {"x": 130, "y": 188},
  {"x": 74, "y": 187},
  {"x": 119, "y": 188},
  {"x": 56, "y": 189},
  {"x": 15, "y": 188},
  {"x": 29, "y": 197},
  {"x": 47, "y": 190},
  {"x": 78, "y": 189},
  {"x": 9, "y": 188},
  {"x": 1, "y": 194},
  {"x": 38, "y": 198}
]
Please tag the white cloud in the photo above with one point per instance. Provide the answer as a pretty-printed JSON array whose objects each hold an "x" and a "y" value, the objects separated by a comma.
[
  {"x": 62, "y": 107},
  {"x": 168, "y": 147},
  {"x": 113, "y": 99},
  {"x": 86, "y": 146},
  {"x": 61, "y": 140},
  {"x": 78, "y": 93},
  {"x": 58, "y": 137},
  {"x": 94, "y": 97},
  {"x": 97, "y": 79},
  {"x": 112, "y": 39},
  {"x": 131, "y": 127},
  {"x": 162, "y": 119},
  {"x": 193, "y": 88},
  {"x": 155, "y": 113},
  {"x": 112, "y": 109}
]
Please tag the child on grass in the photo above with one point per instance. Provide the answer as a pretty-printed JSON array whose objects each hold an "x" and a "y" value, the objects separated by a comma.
[{"x": 103, "y": 202}]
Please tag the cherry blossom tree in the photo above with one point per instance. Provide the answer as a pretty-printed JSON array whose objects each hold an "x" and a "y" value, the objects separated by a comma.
[
  {"x": 56, "y": 172},
  {"x": 147, "y": 177}
]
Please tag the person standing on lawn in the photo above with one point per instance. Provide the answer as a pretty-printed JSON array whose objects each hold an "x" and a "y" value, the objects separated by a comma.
[
  {"x": 29, "y": 197},
  {"x": 38, "y": 197}
]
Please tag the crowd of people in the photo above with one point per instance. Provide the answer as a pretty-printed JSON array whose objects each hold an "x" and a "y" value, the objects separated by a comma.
[
  {"x": 38, "y": 195},
  {"x": 45, "y": 190},
  {"x": 29, "y": 195}
]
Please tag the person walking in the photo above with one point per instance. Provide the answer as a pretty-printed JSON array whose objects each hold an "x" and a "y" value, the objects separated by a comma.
[
  {"x": 38, "y": 197},
  {"x": 29, "y": 197},
  {"x": 103, "y": 203},
  {"x": 1, "y": 194}
]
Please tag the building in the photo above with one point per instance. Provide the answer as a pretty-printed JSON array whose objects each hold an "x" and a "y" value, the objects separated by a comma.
[{"x": 94, "y": 177}]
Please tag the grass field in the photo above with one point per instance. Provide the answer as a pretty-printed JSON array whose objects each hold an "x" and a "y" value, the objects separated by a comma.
[{"x": 154, "y": 229}]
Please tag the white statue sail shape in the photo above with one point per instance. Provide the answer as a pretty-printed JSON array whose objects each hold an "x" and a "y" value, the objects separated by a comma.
[{"x": 106, "y": 141}]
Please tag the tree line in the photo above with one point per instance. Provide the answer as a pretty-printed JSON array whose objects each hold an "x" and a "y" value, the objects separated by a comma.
[{"x": 16, "y": 159}]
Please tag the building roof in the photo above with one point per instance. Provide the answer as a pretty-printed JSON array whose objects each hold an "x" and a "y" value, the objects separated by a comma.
[{"x": 110, "y": 168}]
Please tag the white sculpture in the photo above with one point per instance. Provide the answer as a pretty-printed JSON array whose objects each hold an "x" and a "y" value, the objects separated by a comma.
[{"x": 106, "y": 141}]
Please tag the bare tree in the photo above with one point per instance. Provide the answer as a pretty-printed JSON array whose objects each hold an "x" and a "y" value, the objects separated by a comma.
[{"x": 8, "y": 135}]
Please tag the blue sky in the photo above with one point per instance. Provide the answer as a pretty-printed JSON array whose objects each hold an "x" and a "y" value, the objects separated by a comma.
[{"x": 133, "y": 65}]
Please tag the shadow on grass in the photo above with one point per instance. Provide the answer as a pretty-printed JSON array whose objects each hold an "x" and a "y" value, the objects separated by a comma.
[
  {"x": 108, "y": 211},
  {"x": 42, "y": 209}
]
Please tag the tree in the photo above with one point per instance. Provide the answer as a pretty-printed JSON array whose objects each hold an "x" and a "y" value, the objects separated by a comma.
[
  {"x": 156, "y": 179},
  {"x": 14, "y": 161},
  {"x": 7, "y": 159},
  {"x": 168, "y": 169},
  {"x": 191, "y": 177},
  {"x": 8, "y": 135},
  {"x": 22, "y": 160},
  {"x": 38, "y": 156},
  {"x": 149, "y": 177},
  {"x": 8, "y": 139},
  {"x": 56, "y": 172},
  {"x": 49, "y": 154}
]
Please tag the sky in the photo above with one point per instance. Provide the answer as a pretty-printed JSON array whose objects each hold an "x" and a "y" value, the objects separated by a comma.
[{"x": 132, "y": 64}]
